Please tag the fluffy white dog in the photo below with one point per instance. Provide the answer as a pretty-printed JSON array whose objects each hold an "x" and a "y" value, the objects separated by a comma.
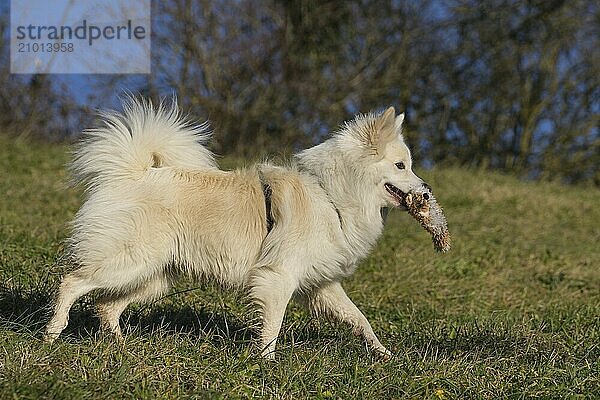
[{"x": 158, "y": 207}]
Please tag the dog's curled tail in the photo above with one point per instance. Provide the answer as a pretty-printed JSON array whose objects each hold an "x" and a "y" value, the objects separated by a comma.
[{"x": 126, "y": 145}]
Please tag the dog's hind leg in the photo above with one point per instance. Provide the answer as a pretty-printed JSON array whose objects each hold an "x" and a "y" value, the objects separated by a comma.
[
  {"x": 111, "y": 307},
  {"x": 72, "y": 287},
  {"x": 332, "y": 300},
  {"x": 115, "y": 276}
]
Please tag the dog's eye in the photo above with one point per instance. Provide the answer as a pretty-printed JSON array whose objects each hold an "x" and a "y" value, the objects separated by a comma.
[{"x": 400, "y": 165}]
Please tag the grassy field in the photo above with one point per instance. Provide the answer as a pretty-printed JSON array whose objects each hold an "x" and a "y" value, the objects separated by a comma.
[{"x": 513, "y": 311}]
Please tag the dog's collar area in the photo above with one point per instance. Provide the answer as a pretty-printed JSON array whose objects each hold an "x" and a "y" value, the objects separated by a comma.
[{"x": 267, "y": 192}]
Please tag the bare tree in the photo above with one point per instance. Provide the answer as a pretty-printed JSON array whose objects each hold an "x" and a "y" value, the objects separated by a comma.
[{"x": 503, "y": 84}]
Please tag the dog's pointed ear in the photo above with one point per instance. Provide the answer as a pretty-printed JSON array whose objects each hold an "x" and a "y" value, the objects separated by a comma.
[
  {"x": 386, "y": 120},
  {"x": 385, "y": 129},
  {"x": 398, "y": 124},
  {"x": 399, "y": 120}
]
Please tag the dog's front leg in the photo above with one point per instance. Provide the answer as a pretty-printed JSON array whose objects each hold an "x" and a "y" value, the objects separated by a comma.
[
  {"x": 331, "y": 299},
  {"x": 272, "y": 291}
]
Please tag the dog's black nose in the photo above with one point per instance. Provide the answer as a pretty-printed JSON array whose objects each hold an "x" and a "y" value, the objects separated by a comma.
[{"x": 426, "y": 186}]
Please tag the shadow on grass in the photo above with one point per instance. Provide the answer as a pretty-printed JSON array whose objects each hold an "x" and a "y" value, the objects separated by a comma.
[
  {"x": 27, "y": 310},
  {"x": 187, "y": 319},
  {"x": 23, "y": 310}
]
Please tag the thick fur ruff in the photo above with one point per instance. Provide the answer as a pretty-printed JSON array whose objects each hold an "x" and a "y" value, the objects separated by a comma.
[{"x": 157, "y": 207}]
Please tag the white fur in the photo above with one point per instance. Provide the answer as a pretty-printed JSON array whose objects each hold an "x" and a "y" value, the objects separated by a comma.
[{"x": 157, "y": 207}]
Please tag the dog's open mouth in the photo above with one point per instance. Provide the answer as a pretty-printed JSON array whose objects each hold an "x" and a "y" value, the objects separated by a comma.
[{"x": 396, "y": 193}]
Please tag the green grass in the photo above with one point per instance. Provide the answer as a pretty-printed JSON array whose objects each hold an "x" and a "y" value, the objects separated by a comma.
[{"x": 513, "y": 311}]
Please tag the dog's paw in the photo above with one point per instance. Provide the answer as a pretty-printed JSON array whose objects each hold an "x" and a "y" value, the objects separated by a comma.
[
  {"x": 268, "y": 351},
  {"x": 268, "y": 355},
  {"x": 383, "y": 353},
  {"x": 111, "y": 336},
  {"x": 50, "y": 337}
]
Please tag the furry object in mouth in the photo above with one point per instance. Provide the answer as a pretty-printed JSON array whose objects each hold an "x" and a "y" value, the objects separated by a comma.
[{"x": 423, "y": 206}]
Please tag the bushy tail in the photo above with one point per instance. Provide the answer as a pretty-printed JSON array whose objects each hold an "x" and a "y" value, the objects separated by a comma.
[{"x": 126, "y": 145}]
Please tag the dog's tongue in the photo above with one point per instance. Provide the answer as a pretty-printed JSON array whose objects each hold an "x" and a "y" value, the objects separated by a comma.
[{"x": 424, "y": 208}]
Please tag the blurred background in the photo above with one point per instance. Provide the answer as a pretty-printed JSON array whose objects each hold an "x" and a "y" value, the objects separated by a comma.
[{"x": 503, "y": 85}]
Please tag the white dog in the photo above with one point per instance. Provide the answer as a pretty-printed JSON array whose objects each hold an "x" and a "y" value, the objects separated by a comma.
[{"x": 157, "y": 207}]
